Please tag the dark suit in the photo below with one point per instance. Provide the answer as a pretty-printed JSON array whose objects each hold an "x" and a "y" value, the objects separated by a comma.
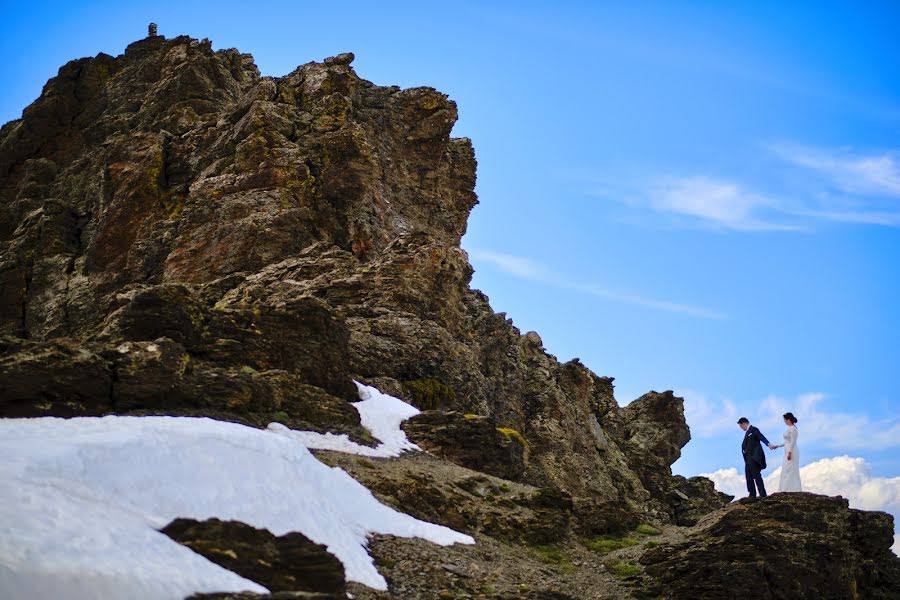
[{"x": 754, "y": 460}]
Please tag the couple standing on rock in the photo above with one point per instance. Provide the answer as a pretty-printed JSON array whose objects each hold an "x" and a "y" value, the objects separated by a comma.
[{"x": 755, "y": 457}]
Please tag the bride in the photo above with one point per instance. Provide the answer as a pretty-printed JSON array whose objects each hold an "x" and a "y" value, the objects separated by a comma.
[{"x": 790, "y": 468}]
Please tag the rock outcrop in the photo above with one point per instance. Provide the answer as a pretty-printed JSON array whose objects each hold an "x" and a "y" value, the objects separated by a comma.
[
  {"x": 793, "y": 545},
  {"x": 471, "y": 441},
  {"x": 181, "y": 235},
  {"x": 288, "y": 563},
  {"x": 691, "y": 498}
]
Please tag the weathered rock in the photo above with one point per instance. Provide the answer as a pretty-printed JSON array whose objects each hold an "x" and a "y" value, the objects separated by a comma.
[
  {"x": 793, "y": 545},
  {"x": 290, "y": 562},
  {"x": 263, "y": 233},
  {"x": 470, "y": 441},
  {"x": 654, "y": 431},
  {"x": 441, "y": 492},
  {"x": 693, "y": 498},
  {"x": 59, "y": 378}
]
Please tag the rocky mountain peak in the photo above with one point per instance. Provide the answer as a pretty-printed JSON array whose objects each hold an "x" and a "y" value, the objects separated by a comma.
[{"x": 180, "y": 235}]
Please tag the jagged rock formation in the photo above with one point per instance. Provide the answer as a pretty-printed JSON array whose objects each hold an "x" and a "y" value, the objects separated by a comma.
[
  {"x": 183, "y": 236},
  {"x": 693, "y": 497},
  {"x": 180, "y": 235},
  {"x": 795, "y": 545}
]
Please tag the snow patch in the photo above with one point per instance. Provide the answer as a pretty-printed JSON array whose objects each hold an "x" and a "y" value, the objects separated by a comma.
[
  {"x": 379, "y": 413},
  {"x": 81, "y": 500}
]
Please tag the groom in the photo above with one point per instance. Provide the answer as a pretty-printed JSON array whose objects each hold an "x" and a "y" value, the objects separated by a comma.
[{"x": 754, "y": 457}]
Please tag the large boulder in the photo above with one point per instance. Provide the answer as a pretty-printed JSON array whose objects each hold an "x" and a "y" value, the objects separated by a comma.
[
  {"x": 691, "y": 498},
  {"x": 291, "y": 562},
  {"x": 470, "y": 441}
]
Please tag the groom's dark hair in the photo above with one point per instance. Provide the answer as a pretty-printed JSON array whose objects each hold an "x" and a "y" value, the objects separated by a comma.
[{"x": 743, "y": 420}]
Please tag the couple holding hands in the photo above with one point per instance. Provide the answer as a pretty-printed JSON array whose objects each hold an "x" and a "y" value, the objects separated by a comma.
[{"x": 755, "y": 457}]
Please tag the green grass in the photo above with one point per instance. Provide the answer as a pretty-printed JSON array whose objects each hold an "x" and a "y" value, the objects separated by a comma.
[
  {"x": 553, "y": 555},
  {"x": 622, "y": 569},
  {"x": 608, "y": 543},
  {"x": 653, "y": 543},
  {"x": 645, "y": 529}
]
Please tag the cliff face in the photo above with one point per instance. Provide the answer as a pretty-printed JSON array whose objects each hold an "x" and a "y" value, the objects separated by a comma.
[
  {"x": 182, "y": 235},
  {"x": 179, "y": 235}
]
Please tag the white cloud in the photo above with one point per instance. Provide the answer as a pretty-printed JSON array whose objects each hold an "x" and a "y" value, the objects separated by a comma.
[
  {"x": 838, "y": 476},
  {"x": 717, "y": 202},
  {"x": 715, "y": 417},
  {"x": 525, "y": 268},
  {"x": 839, "y": 430},
  {"x": 818, "y": 185},
  {"x": 708, "y": 418},
  {"x": 875, "y": 174},
  {"x": 696, "y": 200}
]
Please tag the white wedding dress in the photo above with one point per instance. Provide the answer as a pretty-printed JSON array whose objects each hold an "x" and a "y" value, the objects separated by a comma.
[{"x": 790, "y": 469}]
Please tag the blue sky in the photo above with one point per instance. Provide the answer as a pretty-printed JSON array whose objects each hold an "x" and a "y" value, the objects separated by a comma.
[{"x": 691, "y": 196}]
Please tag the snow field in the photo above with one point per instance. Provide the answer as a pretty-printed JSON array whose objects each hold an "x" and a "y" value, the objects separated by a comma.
[{"x": 81, "y": 500}]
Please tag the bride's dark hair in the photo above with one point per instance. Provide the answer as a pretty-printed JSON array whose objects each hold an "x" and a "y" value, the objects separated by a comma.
[{"x": 790, "y": 417}]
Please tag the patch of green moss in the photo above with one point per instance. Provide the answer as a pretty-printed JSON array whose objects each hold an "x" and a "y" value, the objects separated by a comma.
[
  {"x": 553, "y": 555},
  {"x": 515, "y": 435},
  {"x": 622, "y": 569},
  {"x": 173, "y": 204},
  {"x": 504, "y": 487},
  {"x": 470, "y": 416},
  {"x": 247, "y": 369},
  {"x": 303, "y": 187},
  {"x": 429, "y": 393},
  {"x": 280, "y": 416},
  {"x": 653, "y": 543},
  {"x": 185, "y": 363},
  {"x": 334, "y": 112},
  {"x": 644, "y": 529},
  {"x": 608, "y": 543},
  {"x": 431, "y": 103}
]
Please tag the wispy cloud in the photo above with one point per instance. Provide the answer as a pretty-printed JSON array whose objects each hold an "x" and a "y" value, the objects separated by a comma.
[
  {"x": 841, "y": 475},
  {"x": 708, "y": 417},
  {"x": 714, "y": 201},
  {"x": 821, "y": 184},
  {"x": 522, "y": 268},
  {"x": 853, "y": 173},
  {"x": 525, "y": 268},
  {"x": 711, "y": 417},
  {"x": 838, "y": 430},
  {"x": 694, "y": 201}
]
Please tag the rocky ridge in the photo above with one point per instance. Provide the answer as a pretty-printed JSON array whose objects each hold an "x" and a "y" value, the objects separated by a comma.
[{"x": 181, "y": 235}]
